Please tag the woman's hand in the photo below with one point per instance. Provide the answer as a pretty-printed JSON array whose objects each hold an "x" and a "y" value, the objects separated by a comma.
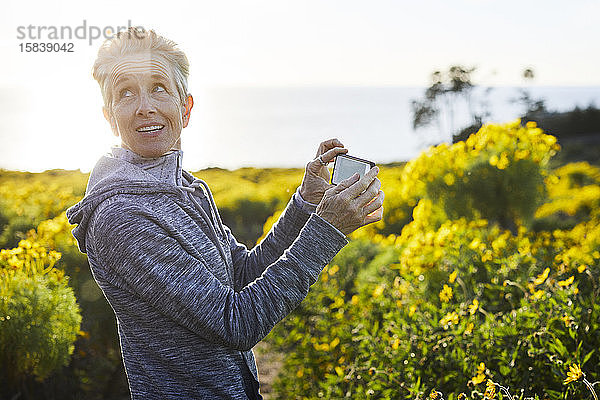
[
  {"x": 316, "y": 176},
  {"x": 353, "y": 203}
]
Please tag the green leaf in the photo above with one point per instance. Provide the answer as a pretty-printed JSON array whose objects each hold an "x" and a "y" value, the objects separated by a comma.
[
  {"x": 554, "y": 394},
  {"x": 559, "y": 347},
  {"x": 587, "y": 357}
]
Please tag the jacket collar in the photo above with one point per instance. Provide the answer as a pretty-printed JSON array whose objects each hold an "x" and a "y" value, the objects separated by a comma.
[{"x": 166, "y": 168}]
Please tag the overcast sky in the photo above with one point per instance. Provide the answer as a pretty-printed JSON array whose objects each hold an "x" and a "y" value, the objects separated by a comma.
[{"x": 47, "y": 99}]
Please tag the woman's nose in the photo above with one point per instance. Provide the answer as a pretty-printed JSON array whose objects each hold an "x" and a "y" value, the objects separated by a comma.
[{"x": 145, "y": 106}]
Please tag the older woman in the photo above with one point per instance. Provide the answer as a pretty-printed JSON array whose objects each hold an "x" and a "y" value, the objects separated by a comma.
[{"x": 191, "y": 301}]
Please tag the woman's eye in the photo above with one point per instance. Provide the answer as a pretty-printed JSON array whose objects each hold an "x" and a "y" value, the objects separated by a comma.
[
  {"x": 126, "y": 93},
  {"x": 159, "y": 88}
]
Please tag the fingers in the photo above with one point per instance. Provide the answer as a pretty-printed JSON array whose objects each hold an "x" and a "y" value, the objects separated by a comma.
[
  {"x": 362, "y": 185},
  {"x": 330, "y": 155},
  {"x": 348, "y": 213},
  {"x": 328, "y": 145},
  {"x": 369, "y": 194},
  {"x": 375, "y": 204},
  {"x": 375, "y": 216},
  {"x": 345, "y": 184},
  {"x": 315, "y": 165}
]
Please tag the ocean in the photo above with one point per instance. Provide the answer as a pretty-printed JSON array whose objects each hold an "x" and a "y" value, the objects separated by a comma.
[{"x": 282, "y": 127}]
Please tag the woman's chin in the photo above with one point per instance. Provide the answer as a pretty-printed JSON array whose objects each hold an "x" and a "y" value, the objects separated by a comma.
[
  {"x": 150, "y": 147},
  {"x": 152, "y": 151}
]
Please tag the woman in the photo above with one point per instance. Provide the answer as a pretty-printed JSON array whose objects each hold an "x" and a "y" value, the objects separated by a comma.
[{"x": 191, "y": 301}]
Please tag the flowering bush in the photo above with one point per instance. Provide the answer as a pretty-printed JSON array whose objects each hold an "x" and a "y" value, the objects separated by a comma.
[
  {"x": 39, "y": 318},
  {"x": 484, "y": 269},
  {"x": 574, "y": 194},
  {"x": 497, "y": 174},
  {"x": 26, "y": 199},
  {"x": 466, "y": 293}
]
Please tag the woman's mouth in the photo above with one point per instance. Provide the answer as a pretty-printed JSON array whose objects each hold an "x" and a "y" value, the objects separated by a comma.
[{"x": 150, "y": 130}]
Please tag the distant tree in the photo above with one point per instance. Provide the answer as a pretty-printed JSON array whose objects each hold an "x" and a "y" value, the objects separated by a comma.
[
  {"x": 445, "y": 93},
  {"x": 532, "y": 106},
  {"x": 452, "y": 92}
]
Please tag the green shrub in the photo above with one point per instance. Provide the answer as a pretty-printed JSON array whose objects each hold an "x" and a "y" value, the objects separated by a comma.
[
  {"x": 496, "y": 174},
  {"x": 466, "y": 293},
  {"x": 39, "y": 317}
]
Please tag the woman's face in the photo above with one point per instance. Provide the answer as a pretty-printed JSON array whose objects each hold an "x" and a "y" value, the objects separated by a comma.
[{"x": 146, "y": 111}]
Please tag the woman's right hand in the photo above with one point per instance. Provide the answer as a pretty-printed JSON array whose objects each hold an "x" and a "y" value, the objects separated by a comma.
[{"x": 353, "y": 202}]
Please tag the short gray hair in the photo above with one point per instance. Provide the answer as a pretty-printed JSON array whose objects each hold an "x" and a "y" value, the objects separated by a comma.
[{"x": 137, "y": 40}]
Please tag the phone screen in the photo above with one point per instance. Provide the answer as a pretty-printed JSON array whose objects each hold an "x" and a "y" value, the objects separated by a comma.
[{"x": 345, "y": 166}]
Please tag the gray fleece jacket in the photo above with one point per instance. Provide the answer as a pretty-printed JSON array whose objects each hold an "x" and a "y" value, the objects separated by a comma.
[{"x": 190, "y": 301}]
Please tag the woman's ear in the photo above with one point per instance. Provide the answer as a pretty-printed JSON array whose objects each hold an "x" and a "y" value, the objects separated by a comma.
[
  {"x": 111, "y": 120},
  {"x": 189, "y": 103}
]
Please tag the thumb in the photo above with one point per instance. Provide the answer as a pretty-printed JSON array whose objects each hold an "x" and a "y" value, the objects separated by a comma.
[
  {"x": 315, "y": 166},
  {"x": 346, "y": 183}
]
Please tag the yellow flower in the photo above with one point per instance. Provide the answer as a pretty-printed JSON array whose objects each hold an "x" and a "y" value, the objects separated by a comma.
[
  {"x": 84, "y": 334},
  {"x": 581, "y": 268},
  {"x": 499, "y": 244},
  {"x": 321, "y": 347},
  {"x": 566, "y": 282},
  {"x": 395, "y": 344},
  {"x": 481, "y": 369},
  {"x": 446, "y": 294},
  {"x": 574, "y": 374},
  {"x": 378, "y": 291},
  {"x": 490, "y": 390},
  {"x": 474, "y": 307},
  {"x": 462, "y": 396},
  {"x": 503, "y": 162},
  {"x": 538, "y": 294},
  {"x": 25, "y": 244},
  {"x": 474, "y": 244},
  {"x": 567, "y": 320},
  {"x": 452, "y": 276},
  {"x": 334, "y": 269},
  {"x": 542, "y": 277},
  {"x": 412, "y": 310},
  {"x": 487, "y": 256},
  {"x": 449, "y": 179},
  {"x": 477, "y": 379},
  {"x": 300, "y": 373},
  {"x": 449, "y": 319},
  {"x": 434, "y": 395},
  {"x": 531, "y": 124},
  {"x": 469, "y": 328},
  {"x": 521, "y": 154},
  {"x": 339, "y": 371}
]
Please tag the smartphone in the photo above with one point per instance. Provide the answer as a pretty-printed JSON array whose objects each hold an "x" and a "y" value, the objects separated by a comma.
[{"x": 345, "y": 166}]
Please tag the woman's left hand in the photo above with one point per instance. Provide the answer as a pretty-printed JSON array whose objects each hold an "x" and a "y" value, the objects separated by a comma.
[{"x": 316, "y": 175}]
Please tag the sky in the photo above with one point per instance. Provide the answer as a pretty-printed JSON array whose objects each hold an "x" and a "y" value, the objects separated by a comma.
[{"x": 51, "y": 107}]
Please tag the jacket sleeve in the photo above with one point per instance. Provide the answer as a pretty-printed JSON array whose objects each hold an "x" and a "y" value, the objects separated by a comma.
[
  {"x": 158, "y": 264},
  {"x": 250, "y": 264}
]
